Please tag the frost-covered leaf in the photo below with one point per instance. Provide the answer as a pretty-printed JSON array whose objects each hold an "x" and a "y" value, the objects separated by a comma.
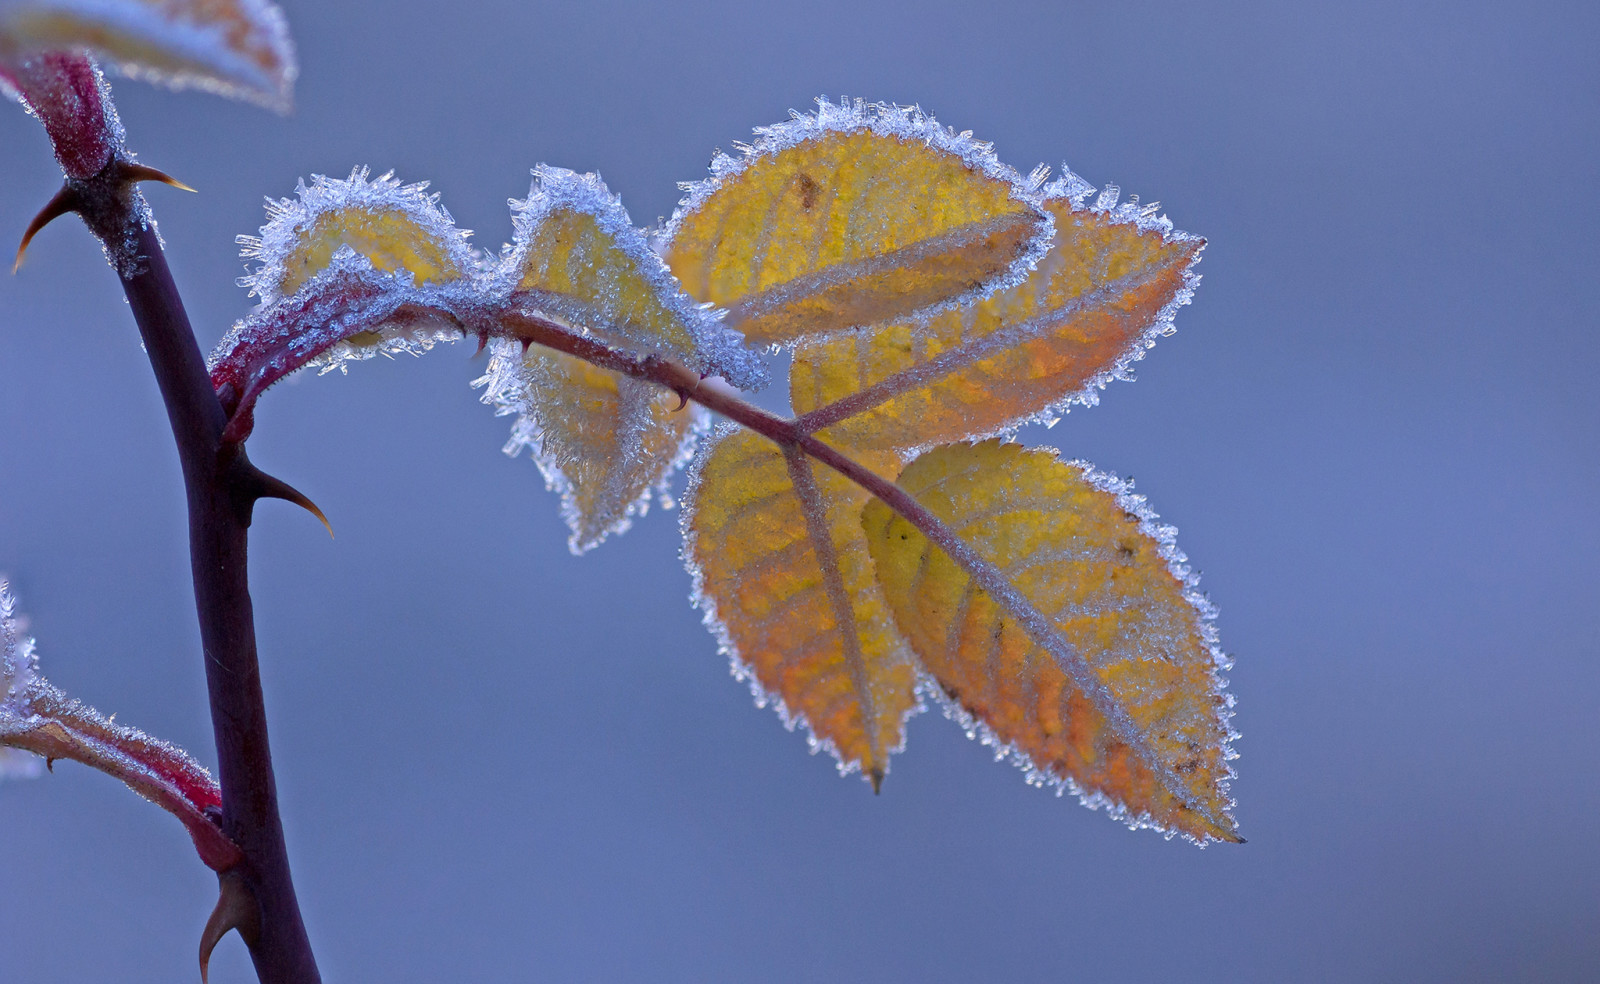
[
  {"x": 782, "y": 574},
  {"x": 37, "y": 720},
  {"x": 856, "y": 214},
  {"x": 397, "y": 227},
  {"x": 578, "y": 259},
  {"x": 1078, "y": 640},
  {"x": 606, "y": 442},
  {"x": 1098, "y": 300},
  {"x": 348, "y": 311},
  {"x": 235, "y": 48}
]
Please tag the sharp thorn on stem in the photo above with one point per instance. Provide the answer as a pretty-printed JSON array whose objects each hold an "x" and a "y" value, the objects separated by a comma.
[
  {"x": 264, "y": 486},
  {"x": 64, "y": 201},
  {"x": 141, "y": 172},
  {"x": 236, "y": 910}
]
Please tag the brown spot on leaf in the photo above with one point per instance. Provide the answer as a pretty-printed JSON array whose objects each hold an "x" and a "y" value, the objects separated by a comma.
[{"x": 808, "y": 191}]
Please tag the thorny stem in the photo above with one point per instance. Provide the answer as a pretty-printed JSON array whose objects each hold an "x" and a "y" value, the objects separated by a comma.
[{"x": 221, "y": 486}]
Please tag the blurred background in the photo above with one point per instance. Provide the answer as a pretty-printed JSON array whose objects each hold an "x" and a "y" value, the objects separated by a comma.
[{"x": 1376, "y": 429}]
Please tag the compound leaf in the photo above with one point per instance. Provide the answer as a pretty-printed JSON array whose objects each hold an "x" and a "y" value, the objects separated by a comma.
[
  {"x": 1073, "y": 634},
  {"x": 854, "y": 215},
  {"x": 1098, "y": 300},
  {"x": 782, "y": 573}
]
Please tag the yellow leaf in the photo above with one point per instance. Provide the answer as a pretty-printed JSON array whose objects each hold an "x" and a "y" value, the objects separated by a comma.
[
  {"x": 605, "y": 442},
  {"x": 230, "y": 47},
  {"x": 395, "y": 227},
  {"x": 855, "y": 215},
  {"x": 1072, "y": 632},
  {"x": 782, "y": 572},
  {"x": 1095, "y": 304},
  {"x": 578, "y": 259}
]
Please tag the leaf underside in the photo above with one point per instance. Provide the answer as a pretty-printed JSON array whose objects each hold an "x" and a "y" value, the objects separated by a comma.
[{"x": 605, "y": 441}]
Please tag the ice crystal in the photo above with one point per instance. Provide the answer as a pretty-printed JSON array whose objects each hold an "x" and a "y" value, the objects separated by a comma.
[
  {"x": 292, "y": 222},
  {"x": 642, "y": 314},
  {"x": 608, "y": 445},
  {"x": 19, "y": 679}
]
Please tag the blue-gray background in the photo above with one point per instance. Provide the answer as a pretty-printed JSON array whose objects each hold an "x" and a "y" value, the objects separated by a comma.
[{"x": 1376, "y": 429}]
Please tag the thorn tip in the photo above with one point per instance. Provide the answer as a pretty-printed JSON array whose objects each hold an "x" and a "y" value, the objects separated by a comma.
[
  {"x": 143, "y": 172},
  {"x": 62, "y": 202}
]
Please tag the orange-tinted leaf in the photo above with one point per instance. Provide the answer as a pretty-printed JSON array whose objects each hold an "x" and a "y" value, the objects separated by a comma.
[
  {"x": 855, "y": 215},
  {"x": 1076, "y": 636},
  {"x": 1095, "y": 304},
  {"x": 783, "y": 576},
  {"x": 605, "y": 442},
  {"x": 578, "y": 259},
  {"x": 230, "y": 47},
  {"x": 398, "y": 228}
]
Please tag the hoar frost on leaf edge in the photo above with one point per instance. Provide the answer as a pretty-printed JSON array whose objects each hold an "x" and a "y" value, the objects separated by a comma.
[
  {"x": 908, "y": 123},
  {"x": 383, "y": 295},
  {"x": 503, "y": 383},
  {"x": 720, "y": 351},
  {"x": 289, "y": 218},
  {"x": 1165, "y": 537},
  {"x": 19, "y": 668},
  {"x": 1072, "y": 188},
  {"x": 741, "y": 670},
  {"x": 1146, "y": 218}
]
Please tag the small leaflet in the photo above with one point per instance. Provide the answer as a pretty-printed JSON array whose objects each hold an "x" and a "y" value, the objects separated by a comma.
[
  {"x": 856, "y": 214},
  {"x": 39, "y": 723},
  {"x": 1076, "y": 641},
  {"x": 782, "y": 574},
  {"x": 237, "y": 48},
  {"x": 607, "y": 443},
  {"x": 1109, "y": 287},
  {"x": 578, "y": 258},
  {"x": 399, "y": 228}
]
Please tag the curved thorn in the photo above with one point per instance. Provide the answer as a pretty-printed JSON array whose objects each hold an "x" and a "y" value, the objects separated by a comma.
[
  {"x": 64, "y": 201},
  {"x": 142, "y": 172},
  {"x": 264, "y": 486},
  {"x": 236, "y": 910}
]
